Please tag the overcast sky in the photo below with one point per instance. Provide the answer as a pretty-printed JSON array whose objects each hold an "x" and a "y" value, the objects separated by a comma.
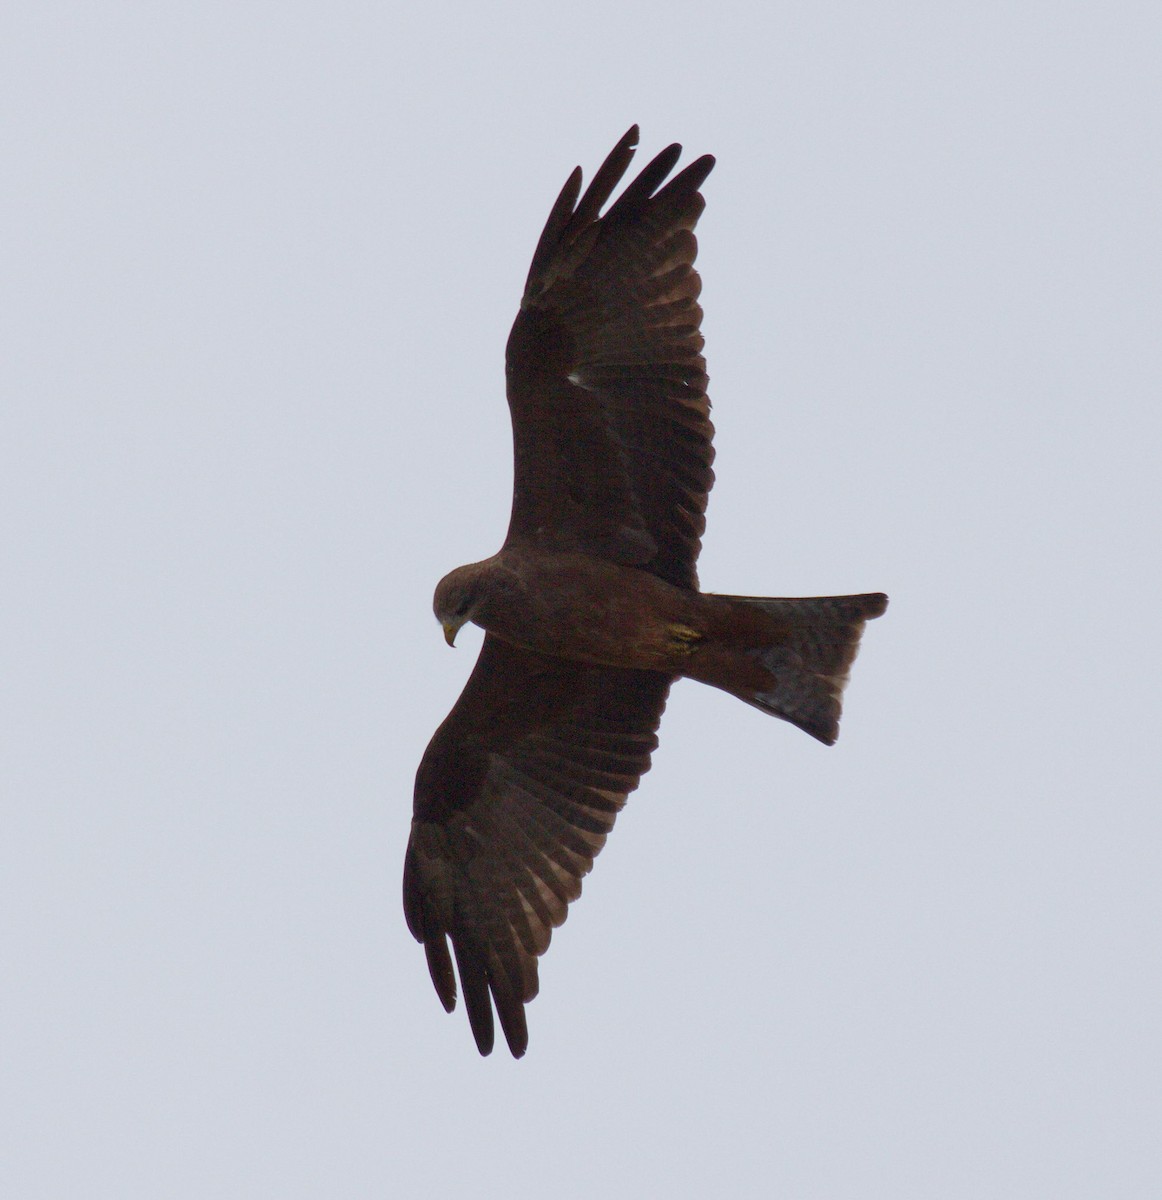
[{"x": 259, "y": 264}]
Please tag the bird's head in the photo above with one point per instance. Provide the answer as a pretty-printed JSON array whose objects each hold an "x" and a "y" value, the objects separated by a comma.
[{"x": 457, "y": 598}]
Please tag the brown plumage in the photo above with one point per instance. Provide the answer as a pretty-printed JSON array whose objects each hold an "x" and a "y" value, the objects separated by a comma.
[{"x": 592, "y": 606}]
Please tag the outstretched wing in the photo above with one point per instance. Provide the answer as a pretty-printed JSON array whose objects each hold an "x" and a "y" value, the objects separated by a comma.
[
  {"x": 606, "y": 379},
  {"x": 514, "y": 798}
]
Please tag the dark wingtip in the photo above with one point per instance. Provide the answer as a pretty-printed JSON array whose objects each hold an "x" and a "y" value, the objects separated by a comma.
[
  {"x": 440, "y": 969},
  {"x": 697, "y": 171},
  {"x": 511, "y": 1011},
  {"x": 480, "y": 1019}
]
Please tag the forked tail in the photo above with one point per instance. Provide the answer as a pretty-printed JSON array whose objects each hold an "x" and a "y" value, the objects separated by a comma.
[{"x": 795, "y": 666}]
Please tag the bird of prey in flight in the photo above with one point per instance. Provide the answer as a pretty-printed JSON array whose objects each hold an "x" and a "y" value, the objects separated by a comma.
[{"x": 591, "y": 608}]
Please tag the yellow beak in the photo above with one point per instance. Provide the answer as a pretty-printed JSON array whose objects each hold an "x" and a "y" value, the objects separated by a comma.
[{"x": 451, "y": 628}]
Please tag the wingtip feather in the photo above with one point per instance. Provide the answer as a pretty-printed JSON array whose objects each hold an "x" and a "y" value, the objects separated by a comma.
[
  {"x": 440, "y": 969},
  {"x": 474, "y": 983}
]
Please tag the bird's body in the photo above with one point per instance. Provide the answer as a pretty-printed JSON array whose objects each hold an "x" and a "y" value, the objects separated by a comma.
[
  {"x": 592, "y": 607},
  {"x": 582, "y": 608},
  {"x": 588, "y": 610}
]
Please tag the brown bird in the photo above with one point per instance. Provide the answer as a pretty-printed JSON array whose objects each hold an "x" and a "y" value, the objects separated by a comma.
[{"x": 591, "y": 608}]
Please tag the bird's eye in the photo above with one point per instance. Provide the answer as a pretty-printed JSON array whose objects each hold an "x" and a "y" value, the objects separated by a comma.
[{"x": 462, "y": 608}]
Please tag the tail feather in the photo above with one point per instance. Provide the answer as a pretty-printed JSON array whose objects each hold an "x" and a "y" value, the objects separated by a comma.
[{"x": 807, "y": 663}]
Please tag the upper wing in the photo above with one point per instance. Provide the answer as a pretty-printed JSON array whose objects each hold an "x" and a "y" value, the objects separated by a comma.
[
  {"x": 514, "y": 797},
  {"x": 606, "y": 379}
]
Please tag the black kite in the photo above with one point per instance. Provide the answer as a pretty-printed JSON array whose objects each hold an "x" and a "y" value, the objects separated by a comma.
[{"x": 591, "y": 608}]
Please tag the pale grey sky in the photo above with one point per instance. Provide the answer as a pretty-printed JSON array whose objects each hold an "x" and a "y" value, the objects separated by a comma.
[{"x": 259, "y": 266}]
